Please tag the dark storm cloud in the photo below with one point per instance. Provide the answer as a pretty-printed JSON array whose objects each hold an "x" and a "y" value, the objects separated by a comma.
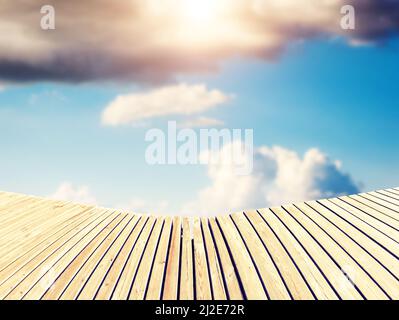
[{"x": 138, "y": 41}]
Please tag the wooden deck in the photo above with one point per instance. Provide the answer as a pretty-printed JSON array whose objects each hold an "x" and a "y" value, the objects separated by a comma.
[{"x": 344, "y": 248}]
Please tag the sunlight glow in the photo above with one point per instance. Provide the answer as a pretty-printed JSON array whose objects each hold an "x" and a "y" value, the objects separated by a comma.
[
  {"x": 205, "y": 25},
  {"x": 200, "y": 11}
]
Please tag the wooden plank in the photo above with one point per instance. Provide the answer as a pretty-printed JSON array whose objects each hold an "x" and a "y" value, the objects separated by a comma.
[
  {"x": 330, "y": 269},
  {"x": 202, "y": 281},
  {"x": 8, "y": 202},
  {"x": 20, "y": 209},
  {"x": 393, "y": 192},
  {"x": 216, "y": 273},
  {"x": 99, "y": 243},
  {"x": 345, "y": 261},
  {"x": 248, "y": 274},
  {"x": 340, "y": 209},
  {"x": 346, "y": 248},
  {"x": 389, "y": 196},
  {"x": 295, "y": 282},
  {"x": 268, "y": 271},
  {"x": 350, "y": 206},
  {"x": 69, "y": 274},
  {"x": 70, "y": 249},
  {"x": 24, "y": 214},
  {"x": 373, "y": 259},
  {"x": 52, "y": 252},
  {"x": 122, "y": 288},
  {"x": 390, "y": 216},
  {"x": 142, "y": 277},
  {"x": 98, "y": 272},
  {"x": 6, "y": 198},
  {"x": 186, "y": 271},
  {"x": 367, "y": 209},
  {"x": 382, "y": 246},
  {"x": 383, "y": 200},
  {"x": 312, "y": 272},
  {"x": 27, "y": 251},
  {"x": 374, "y": 210},
  {"x": 171, "y": 287},
  {"x": 108, "y": 285},
  {"x": 30, "y": 234},
  {"x": 17, "y": 208},
  {"x": 230, "y": 277},
  {"x": 91, "y": 260},
  {"x": 155, "y": 284}
]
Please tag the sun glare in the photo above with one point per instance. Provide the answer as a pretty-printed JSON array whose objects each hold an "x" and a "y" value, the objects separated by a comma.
[
  {"x": 205, "y": 24},
  {"x": 197, "y": 11}
]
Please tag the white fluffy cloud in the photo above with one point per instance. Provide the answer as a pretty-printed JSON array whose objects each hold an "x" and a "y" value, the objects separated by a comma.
[
  {"x": 68, "y": 192},
  {"x": 279, "y": 176},
  {"x": 181, "y": 99}
]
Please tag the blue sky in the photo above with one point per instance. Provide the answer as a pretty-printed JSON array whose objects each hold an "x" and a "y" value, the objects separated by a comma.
[{"x": 325, "y": 93}]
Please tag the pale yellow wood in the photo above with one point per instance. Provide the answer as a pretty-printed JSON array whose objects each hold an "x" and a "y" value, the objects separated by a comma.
[
  {"x": 271, "y": 278},
  {"x": 62, "y": 282},
  {"x": 98, "y": 274},
  {"x": 388, "y": 196},
  {"x": 69, "y": 249},
  {"x": 368, "y": 219},
  {"x": 393, "y": 193},
  {"x": 52, "y": 249},
  {"x": 389, "y": 216},
  {"x": 172, "y": 269},
  {"x": 371, "y": 208},
  {"x": 384, "y": 201},
  {"x": 331, "y": 270},
  {"x": 14, "y": 207},
  {"x": 21, "y": 246},
  {"x": 141, "y": 279},
  {"x": 17, "y": 207},
  {"x": 107, "y": 287},
  {"x": 22, "y": 215},
  {"x": 159, "y": 267},
  {"x": 26, "y": 251},
  {"x": 102, "y": 239},
  {"x": 8, "y": 202},
  {"x": 356, "y": 274},
  {"x": 87, "y": 281},
  {"x": 314, "y": 275},
  {"x": 340, "y": 208},
  {"x": 8, "y": 198},
  {"x": 229, "y": 274},
  {"x": 247, "y": 272},
  {"x": 19, "y": 210},
  {"x": 295, "y": 282},
  {"x": 355, "y": 246},
  {"x": 49, "y": 254},
  {"x": 24, "y": 227},
  {"x": 202, "y": 281},
  {"x": 186, "y": 272},
  {"x": 35, "y": 224},
  {"x": 122, "y": 289},
  {"x": 216, "y": 273}
]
